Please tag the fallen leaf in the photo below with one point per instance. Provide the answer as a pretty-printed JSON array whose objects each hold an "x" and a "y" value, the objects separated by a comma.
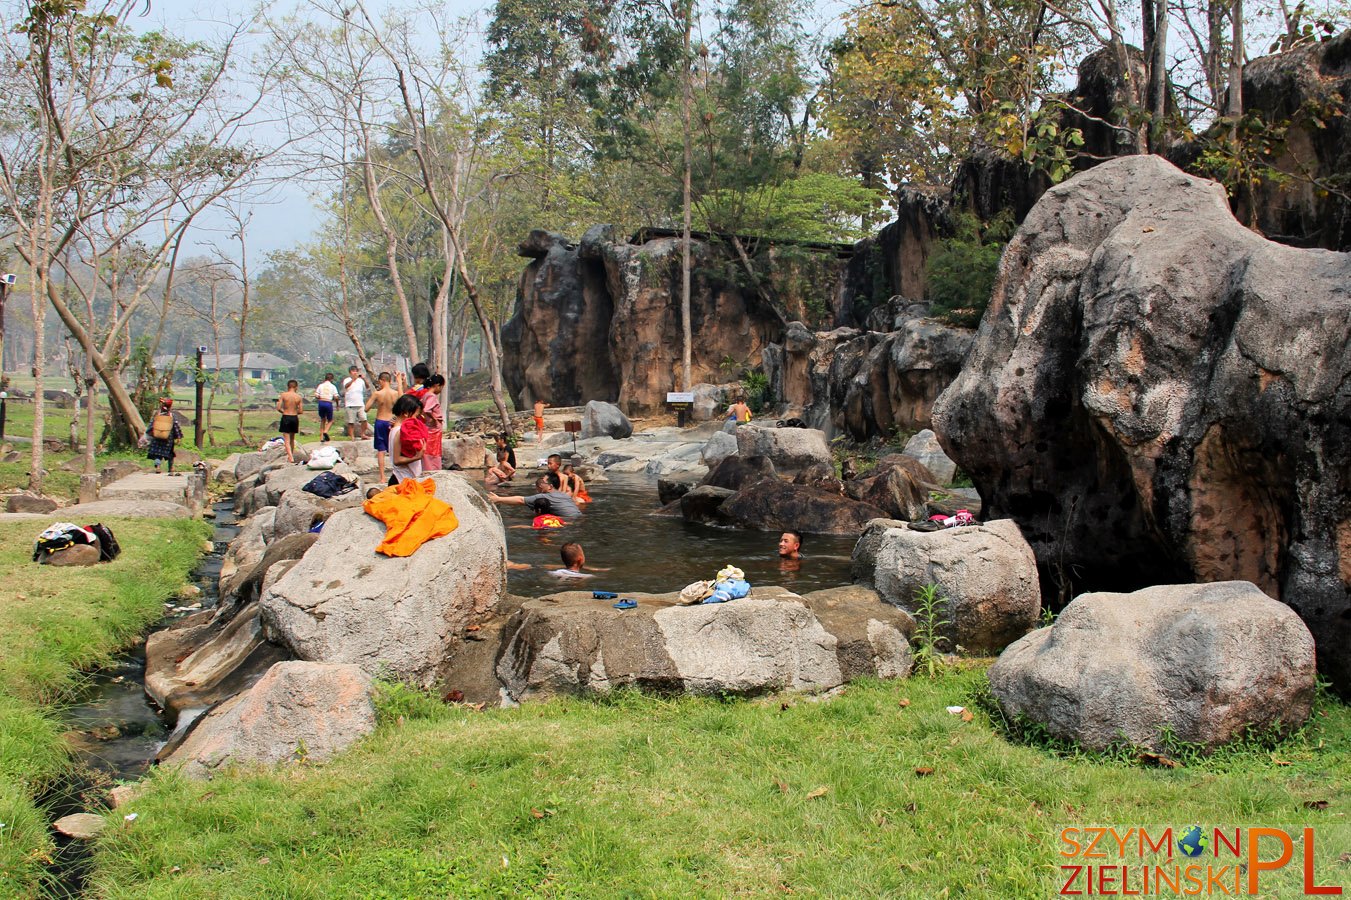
[
  {"x": 1345, "y": 857},
  {"x": 263, "y": 860},
  {"x": 819, "y": 792},
  {"x": 474, "y": 628},
  {"x": 477, "y": 707},
  {"x": 782, "y": 786},
  {"x": 967, "y": 716},
  {"x": 1315, "y": 804},
  {"x": 905, "y": 701},
  {"x": 537, "y": 813},
  {"x": 1158, "y": 759},
  {"x": 1281, "y": 762},
  {"x": 923, "y": 771}
]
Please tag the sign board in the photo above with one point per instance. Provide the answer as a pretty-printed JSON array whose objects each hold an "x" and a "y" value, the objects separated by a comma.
[
  {"x": 572, "y": 426},
  {"x": 683, "y": 398}
]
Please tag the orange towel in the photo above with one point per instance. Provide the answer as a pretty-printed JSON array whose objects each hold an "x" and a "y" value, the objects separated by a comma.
[{"x": 412, "y": 516}]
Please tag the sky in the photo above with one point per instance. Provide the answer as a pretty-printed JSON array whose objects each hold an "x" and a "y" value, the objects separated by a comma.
[{"x": 287, "y": 215}]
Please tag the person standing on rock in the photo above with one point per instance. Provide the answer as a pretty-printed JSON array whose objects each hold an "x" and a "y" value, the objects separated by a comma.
[
  {"x": 407, "y": 439},
  {"x": 354, "y": 403},
  {"x": 290, "y": 404},
  {"x": 163, "y": 434},
  {"x": 383, "y": 401},
  {"x": 540, "y": 406},
  {"x": 324, "y": 397},
  {"x": 434, "y": 418}
]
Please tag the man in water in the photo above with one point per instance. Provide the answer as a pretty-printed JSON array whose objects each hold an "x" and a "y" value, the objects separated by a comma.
[
  {"x": 383, "y": 401},
  {"x": 560, "y": 504},
  {"x": 790, "y": 551}
]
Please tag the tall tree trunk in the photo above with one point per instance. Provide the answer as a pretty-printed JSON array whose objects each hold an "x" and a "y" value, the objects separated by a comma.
[
  {"x": 35, "y": 474},
  {"x": 686, "y": 102},
  {"x": 243, "y": 331},
  {"x": 1158, "y": 76},
  {"x": 1234, "y": 109},
  {"x": 391, "y": 246}
]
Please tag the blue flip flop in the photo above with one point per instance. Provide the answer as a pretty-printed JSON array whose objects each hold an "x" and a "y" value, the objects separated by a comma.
[
  {"x": 626, "y": 604},
  {"x": 604, "y": 595}
]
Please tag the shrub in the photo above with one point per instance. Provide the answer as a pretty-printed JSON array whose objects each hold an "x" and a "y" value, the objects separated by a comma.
[{"x": 961, "y": 270}]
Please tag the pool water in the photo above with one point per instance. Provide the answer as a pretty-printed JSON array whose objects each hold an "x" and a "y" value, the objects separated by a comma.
[{"x": 655, "y": 554}]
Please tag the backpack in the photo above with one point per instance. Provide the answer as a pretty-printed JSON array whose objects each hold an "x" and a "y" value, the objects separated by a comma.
[
  {"x": 329, "y": 485},
  {"x": 162, "y": 426},
  {"x": 108, "y": 546}
]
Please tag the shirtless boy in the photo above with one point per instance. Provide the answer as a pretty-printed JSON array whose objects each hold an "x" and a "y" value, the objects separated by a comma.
[
  {"x": 290, "y": 404},
  {"x": 382, "y": 401},
  {"x": 539, "y": 421}
]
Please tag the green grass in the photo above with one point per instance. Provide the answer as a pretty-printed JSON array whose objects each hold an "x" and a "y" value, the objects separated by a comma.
[
  {"x": 648, "y": 797},
  {"x": 54, "y": 623}
]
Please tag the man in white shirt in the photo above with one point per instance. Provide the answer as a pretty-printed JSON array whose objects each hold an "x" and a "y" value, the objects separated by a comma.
[
  {"x": 325, "y": 394},
  {"x": 354, "y": 400}
]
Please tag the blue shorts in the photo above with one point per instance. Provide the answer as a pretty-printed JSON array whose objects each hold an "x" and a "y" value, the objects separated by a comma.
[
  {"x": 382, "y": 435},
  {"x": 325, "y": 410}
]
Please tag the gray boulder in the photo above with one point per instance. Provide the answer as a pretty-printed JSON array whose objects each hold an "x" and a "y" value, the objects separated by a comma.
[
  {"x": 297, "y": 712},
  {"x": 924, "y": 447},
  {"x": 772, "y": 640},
  {"x": 701, "y": 502},
  {"x": 1204, "y": 662},
  {"x": 465, "y": 451},
  {"x": 601, "y": 419},
  {"x": 127, "y": 509},
  {"x": 986, "y": 573},
  {"x": 709, "y": 400},
  {"x": 24, "y": 502},
  {"x": 718, "y": 447},
  {"x": 253, "y": 463},
  {"x": 299, "y": 510},
  {"x": 293, "y": 478},
  {"x": 789, "y": 449},
  {"x": 401, "y": 616}
]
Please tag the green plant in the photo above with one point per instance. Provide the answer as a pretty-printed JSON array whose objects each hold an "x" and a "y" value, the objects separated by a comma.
[
  {"x": 961, "y": 270},
  {"x": 930, "y": 607},
  {"x": 756, "y": 386}
]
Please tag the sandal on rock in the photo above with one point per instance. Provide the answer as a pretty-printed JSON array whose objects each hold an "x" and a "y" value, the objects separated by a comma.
[
  {"x": 604, "y": 595},
  {"x": 626, "y": 604}
]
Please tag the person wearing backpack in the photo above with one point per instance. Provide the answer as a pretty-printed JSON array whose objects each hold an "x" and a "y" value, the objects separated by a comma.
[{"x": 163, "y": 433}]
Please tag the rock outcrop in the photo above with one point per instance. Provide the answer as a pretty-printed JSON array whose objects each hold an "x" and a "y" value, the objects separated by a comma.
[
  {"x": 771, "y": 504},
  {"x": 772, "y": 640},
  {"x": 297, "y": 712},
  {"x": 401, "y": 616},
  {"x": 789, "y": 450},
  {"x": 985, "y": 574},
  {"x": 1158, "y": 395},
  {"x": 594, "y": 320},
  {"x": 1204, "y": 663},
  {"x": 601, "y": 419}
]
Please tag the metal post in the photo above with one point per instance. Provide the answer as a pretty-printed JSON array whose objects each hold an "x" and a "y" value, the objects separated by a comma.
[
  {"x": 4, "y": 399},
  {"x": 201, "y": 383},
  {"x": 5, "y": 281}
]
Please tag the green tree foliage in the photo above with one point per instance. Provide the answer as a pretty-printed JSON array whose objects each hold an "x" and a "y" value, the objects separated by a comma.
[
  {"x": 815, "y": 206},
  {"x": 961, "y": 270}
]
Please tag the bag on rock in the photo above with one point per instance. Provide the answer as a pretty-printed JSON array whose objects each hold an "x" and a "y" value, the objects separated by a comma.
[
  {"x": 329, "y": 485},
  {"x": 323, "y": 458},
  {"x": 109, "y": 548}
]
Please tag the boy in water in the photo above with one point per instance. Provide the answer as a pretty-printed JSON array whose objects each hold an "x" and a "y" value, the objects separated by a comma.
[
  {"x": 324, "y": 397},
  {"x": 383, "y": 401},
  {"x": 574, "y": 562},
  {"x": 290, "y": 404}
]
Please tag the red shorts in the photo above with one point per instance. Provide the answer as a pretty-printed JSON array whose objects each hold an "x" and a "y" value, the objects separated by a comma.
[{"x": 539, "y": 424}]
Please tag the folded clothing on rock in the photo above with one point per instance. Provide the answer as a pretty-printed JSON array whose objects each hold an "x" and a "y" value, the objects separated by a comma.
[{"x": 412, "y": 515}]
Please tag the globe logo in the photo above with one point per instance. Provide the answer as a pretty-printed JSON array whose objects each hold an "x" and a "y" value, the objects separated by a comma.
[{"x": 1193, "y": 842}]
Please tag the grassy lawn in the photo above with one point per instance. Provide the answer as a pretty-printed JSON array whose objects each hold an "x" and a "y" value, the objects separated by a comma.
[
  {"x": 876, "y": 793},
  {"x": 54, "y": 623}
]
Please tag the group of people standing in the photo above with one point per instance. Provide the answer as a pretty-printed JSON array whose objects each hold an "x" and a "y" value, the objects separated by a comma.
[{"x": 404, "y": 420}]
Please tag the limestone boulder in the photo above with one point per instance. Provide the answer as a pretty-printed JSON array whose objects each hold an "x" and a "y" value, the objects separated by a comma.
[
  {"x": 403, "y": 616},
  {"x": 1157, "y": 395},
  {"x": 601, "y": 419},
  {"x": 789, "y": 449},
  {"x": 299, "y": 510},
  {"x": 247, "y": 548},
  {"x": 717, "y": 448},
  {"x": 223, "y": 472},
  {"x": 461, "y": 450},
  {"x": 735, "y": 472},
  {"x": 774, "y": 505},
  {"x": 770, "y": 641},
  {"x": 898, "y": 485},
  {"x": 297, "y": 712},
  {"x": 670, "y": 490},
  {"x": 710, "y": 400},
  {"x": 74, "y": 556},
  {"x": 1203, "y": 662},
  {"x": 118, "y": 469},
  {"x": 253, "y": 463},
  {"x": 702, "y": 502},
  {"x": 924, "y": 448},
  {"x": 25, "y": 502},
  {"x": 822, "y": 477},
  {"x": 986, "y": 575}
]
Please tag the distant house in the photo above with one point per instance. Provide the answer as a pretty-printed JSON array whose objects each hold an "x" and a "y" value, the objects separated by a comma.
[{"x": 257, "y": 366}]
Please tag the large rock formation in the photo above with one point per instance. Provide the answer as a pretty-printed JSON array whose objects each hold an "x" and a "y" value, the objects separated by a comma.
[
  {"x": 598, "y": 320},
  {"x": 1159, "y": 395},
  {"x": 1204, "y": 663},
  {"x": 867, "y": 383},
  {"x": 401, "y": 616},
  {"x": 772, "y": 640}
]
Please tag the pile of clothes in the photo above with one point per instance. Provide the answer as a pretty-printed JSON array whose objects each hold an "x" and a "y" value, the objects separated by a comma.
[
  {"x": 729, "y": 584},
  {"x": 63, "y": 535}
]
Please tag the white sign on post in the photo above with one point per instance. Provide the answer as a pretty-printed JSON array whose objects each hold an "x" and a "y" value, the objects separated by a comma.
[{"x": 679, "y": 396}]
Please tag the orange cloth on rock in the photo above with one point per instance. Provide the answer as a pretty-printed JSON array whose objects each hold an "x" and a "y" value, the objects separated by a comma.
[{"x": 412, "y": 516}]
